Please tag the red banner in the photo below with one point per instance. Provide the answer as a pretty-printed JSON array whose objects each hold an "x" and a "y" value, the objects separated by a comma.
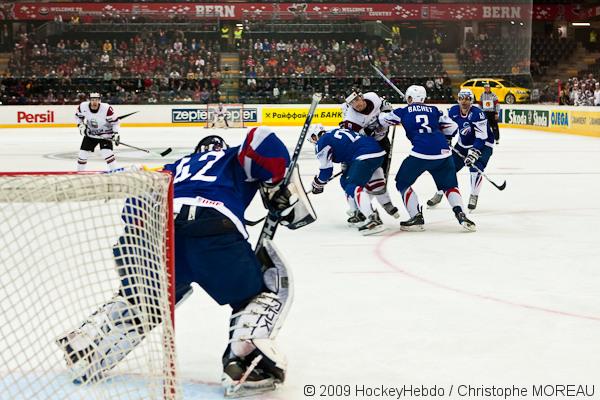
[
  {"x": 593, "y": 12},
  {"x": 309, "y": 11}
]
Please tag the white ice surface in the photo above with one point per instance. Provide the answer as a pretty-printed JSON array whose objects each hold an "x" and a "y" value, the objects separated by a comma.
[{"x": 516, "y": 303}]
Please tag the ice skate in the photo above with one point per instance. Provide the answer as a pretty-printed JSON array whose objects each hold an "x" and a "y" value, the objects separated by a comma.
[
  {"x": 372, "y": 225},
  {"x": 415, "y": 224},
  {"x": 391, "y": 210},
  {"x": 473, "y": 202},
  {"x": 435, "y": 200},
  {"x": 241, "y": 380},
  {"x": 355, "y": 218},
  {"x": 463, "y": 220}
]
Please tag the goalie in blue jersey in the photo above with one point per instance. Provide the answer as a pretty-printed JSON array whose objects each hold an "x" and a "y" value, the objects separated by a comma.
[{"x": 213, "y": 186}]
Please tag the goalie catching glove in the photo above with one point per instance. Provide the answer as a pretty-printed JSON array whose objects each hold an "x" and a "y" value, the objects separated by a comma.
[{"x": 472, "y": 156}]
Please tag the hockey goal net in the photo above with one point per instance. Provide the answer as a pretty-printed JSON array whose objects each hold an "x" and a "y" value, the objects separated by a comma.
[
  {"x": 70, "y": 244},
  {"x": 226, "y": 115}
]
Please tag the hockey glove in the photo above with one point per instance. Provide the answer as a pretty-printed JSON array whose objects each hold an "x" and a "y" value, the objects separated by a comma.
[
  {"x": 372, "y": 128},
  {"x": 472, "y": 156},
  {"x": 116, "y": 139},
  {"x": 318, "y": 186},
  {"x": 83, "y": 129},
  {"x": 386, "y": 106}
]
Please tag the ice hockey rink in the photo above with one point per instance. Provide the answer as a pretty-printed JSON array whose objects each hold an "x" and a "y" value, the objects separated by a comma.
[{"x": 514, "y": 304}]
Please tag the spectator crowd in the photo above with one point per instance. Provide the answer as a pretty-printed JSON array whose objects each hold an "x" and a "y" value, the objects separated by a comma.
[
  {"x": 580, "y": 92},
  {"x": 289, "y": 70},
  {"x": 149, "y": 67},
  {"x": 176, "y": 66}
]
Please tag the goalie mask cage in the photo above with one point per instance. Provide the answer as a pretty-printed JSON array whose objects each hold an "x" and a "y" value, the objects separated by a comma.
[
  {"x": 235, "y": 113},
  {"x": 58, "y": 265}
]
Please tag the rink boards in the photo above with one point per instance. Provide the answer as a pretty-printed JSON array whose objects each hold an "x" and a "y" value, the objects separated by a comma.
[{"x": 559, "y": 119}]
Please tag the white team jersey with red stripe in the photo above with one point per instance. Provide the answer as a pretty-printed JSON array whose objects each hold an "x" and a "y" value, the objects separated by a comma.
[
  {"x": 356, "y": 120},
  {"x": 102, "y": 122}
]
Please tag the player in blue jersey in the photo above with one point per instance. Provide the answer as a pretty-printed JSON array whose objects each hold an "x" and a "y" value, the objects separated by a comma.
[
  {"x": 475, "y": 143},
  {"x": 213, "y": 186},
  {"x": 363, "y": 157},
  {"x": 424, "y": 125}
]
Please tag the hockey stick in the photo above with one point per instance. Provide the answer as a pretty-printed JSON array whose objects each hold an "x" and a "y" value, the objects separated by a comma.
[
  {"x": 385, "y": 78},
  {"x": 499, "y": 187},
  {"x": 162, "y": 153},
  {"x": 258, "y": 221},
  {"x": 272, "y": 219},
  {"x": 389, "y": 164},
  {"x": 126, "y": 115}
]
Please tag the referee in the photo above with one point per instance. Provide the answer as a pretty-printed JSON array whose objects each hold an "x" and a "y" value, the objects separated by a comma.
[{"x": 491, "y": 108}]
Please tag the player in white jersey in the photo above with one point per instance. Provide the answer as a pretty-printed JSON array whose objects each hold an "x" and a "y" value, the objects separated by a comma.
[
  {"x": 220, "y": 118},
  {"x": 99, "y": 126},
  {"x": 359, "y": 114}
]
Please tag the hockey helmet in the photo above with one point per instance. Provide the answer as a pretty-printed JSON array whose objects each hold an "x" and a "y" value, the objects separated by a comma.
[
  {"x": 315, "y": 132},
  {"x": 417, "y": 94},
  {"x": 466, "y": 94},
  {"x": 211, "y": 143},
  {"x": 353, "y": 96},
  {"x": 94, "y": 95}
]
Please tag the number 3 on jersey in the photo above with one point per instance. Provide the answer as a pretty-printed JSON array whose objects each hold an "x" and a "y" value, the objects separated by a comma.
[
  {"x": 183, "y": 169},
  {"x": 423, "y": 120}
]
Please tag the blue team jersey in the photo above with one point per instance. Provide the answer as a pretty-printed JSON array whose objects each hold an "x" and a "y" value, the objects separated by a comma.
[
  {"x": 227, "y": 180},
  {"x": 344, "y": 146},
  {"x": 473, "y": 128},
  {"x": 213, "y": 179},
  {"x": 423, "y": 125}
]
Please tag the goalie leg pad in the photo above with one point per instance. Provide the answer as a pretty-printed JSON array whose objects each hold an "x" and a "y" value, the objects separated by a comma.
[
  {"x": 254, "y": 328},
  {"x": 102, "y": 341},
  {"x": 264, "y": 315}
]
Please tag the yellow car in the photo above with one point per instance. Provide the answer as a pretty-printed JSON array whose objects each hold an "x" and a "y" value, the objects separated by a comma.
[{"x": 506, "y": 91}]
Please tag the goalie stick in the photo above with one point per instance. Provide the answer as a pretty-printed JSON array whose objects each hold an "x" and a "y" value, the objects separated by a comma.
[
  {"x": 499, "y": 187},
  {"x": 272, "y": 218}
]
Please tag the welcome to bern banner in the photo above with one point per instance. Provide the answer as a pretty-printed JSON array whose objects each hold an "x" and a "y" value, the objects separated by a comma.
[{"x": 312, "y": 11}]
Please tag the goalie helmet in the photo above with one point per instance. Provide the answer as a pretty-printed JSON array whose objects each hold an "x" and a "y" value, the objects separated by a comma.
[
  {"x": 417, "y": 94},
  {"x": 263, "y": 156},
  {"x": 466, "y": 94},
  {"x": 211, "y": 143},
  {"x": 315, "y": 133}
]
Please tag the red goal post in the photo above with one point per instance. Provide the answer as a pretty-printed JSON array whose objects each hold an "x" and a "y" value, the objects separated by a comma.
[
  {"x": 234, "y": 112},
  {"x": 58, "y": 265}
]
